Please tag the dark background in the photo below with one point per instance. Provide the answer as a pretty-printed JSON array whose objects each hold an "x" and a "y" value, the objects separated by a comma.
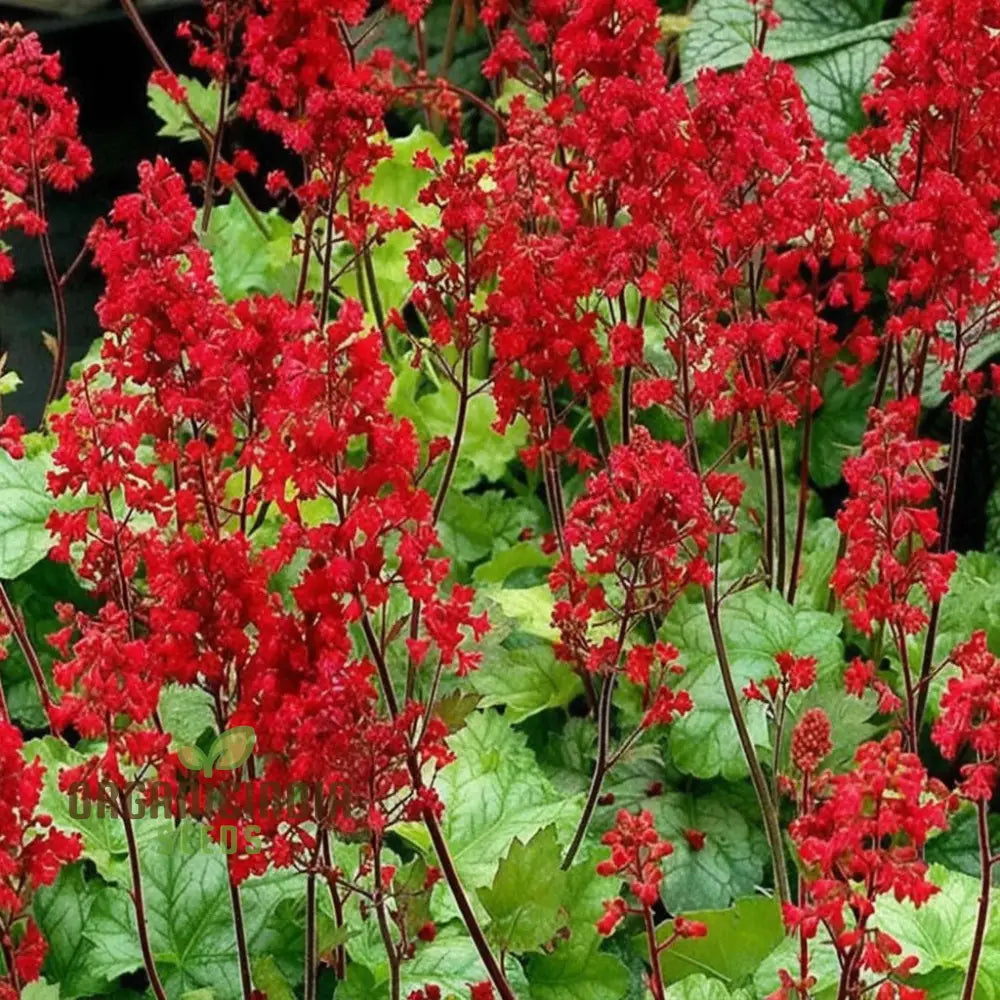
[{"x": 106, "y": 68}]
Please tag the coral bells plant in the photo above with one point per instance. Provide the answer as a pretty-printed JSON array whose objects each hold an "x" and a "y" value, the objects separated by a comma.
[{"x": 529, "y": 526}]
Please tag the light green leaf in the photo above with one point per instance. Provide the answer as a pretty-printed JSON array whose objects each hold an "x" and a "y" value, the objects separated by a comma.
[
  {"x": 176, "y": 123},
  {"x": 493, "y": 793},
  {"x": 972, "y": 603},
  {"x": 525, "y": 679},
  {"x": 41, "y": 990},
  {"x": 526, "y": 898},
  {"x": 452, "y": 962},
  {"x": 244, "y": 259},
  {"x": 267, "y": 977},
  {"x": 574, "y": 972},
  {"x": 738, "y": 940},
  {"x": 756, "y": 624},
  {"x": 62, "y": 911},
  {"x": 940, "y": 932},
  {"x": 431, "y": 407},
  {"x": 823, "y": 965},
  {"x": 186, "y": 712},
  {"x": 703, "y": 988},
  {"x": 530, "y": 607},
  {"x": 396, "y": 183},
  {"x": 190, "y": 921},
  {"x": 730, "y": 864},
  {"x": 9, "y": 381},
  {"x": 510, "y": 566},
  {"x": 103, "y": 838},
  {"x": 25, "y": 506},
  {"x": 722, "y": 31}
]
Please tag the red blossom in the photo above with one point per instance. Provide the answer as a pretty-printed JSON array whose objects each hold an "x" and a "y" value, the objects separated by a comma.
[{"x": 40, "y": 145}]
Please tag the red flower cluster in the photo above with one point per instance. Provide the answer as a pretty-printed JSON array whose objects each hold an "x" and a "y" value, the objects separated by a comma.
[
  {"x": 811, "y": 740},
  {"x": 630, "y": 214},
  {"x": 644, "y": 526},
  {"x": 970, "y": 716},
  {"x": 31, "y": 854},
  {"x": 636, "y": 853},
  {"x": 193, "y": 395},
  {"x": 39, "y": 143},
  {"x": 936, "y": 96},
  {"x": 890, "y": 534},
  {"x": 859, "y": 836},
  {"x": 795, "y": 674}
]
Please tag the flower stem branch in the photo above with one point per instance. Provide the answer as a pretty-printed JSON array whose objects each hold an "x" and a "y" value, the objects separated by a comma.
[
  {"x": 986, "y": 862},
  {"x": 768, "y": 807},
  {"x": 138, "y": 901}
]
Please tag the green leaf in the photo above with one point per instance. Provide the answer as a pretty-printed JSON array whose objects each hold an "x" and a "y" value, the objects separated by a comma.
[
  {"x": 25, "y": 506},
  {"x": 729, "y": 865},
  {"x": 577, "y": 971},
  {"x": 823, "y": 965},
  {"x": 189, "y": 919},
  {"x": 722, "y": 31},
  {"x": 267, "y": 977},
  {"x": 530, "y": 607},
  {"x": 703, "y": 988},
  {"x": 972, "y": 603},
  {"x": 103, "y": 838},
  {"x": 186, "y": 712},
  {"x": 9, "y": 381},
  {"x": 987, "y": 347},
  {"x": 525, "y": 679},
  {"x": 738, "y": 940},
  {"x": 41, "y": 990},
  {"x": 838, "y": 427},
  {"x": 396, "y": 183},
  {"x": 62, "y": 912},
  {"x": 176, "y": 123},
  {"x": 756, "y": 624},
  {"x": 474, "y": 525},
  {"x": 940, "y": 932},
  {"x": 527, "y": 895},
  {"x": 246, "y": 260},
  {"x": 520, "y": 561},
  {"x": 450, "y": 961},
  {"x": 35, "y": 594},
  {"x": 819, "y": 557},
  {"x": 833, "y": 84},
  {"x": 431, "y": 407},
  {"x": 957, "y": 847},
  {"x": 493, "y": 793},
  {"x": 232, "y": 748}
]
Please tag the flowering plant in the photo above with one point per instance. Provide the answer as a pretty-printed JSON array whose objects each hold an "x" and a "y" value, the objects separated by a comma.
[{"x": 523, "y": 531}]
